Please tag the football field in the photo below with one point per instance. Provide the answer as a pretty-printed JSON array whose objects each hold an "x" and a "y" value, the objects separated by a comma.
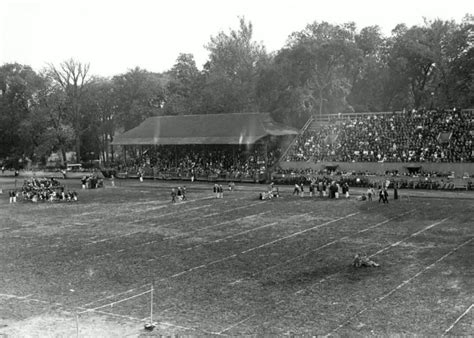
[{"x": 106, "y": 264}]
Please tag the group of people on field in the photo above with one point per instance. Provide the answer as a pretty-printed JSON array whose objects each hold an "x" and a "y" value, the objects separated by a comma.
[
  {"x": 323, "y": 188},
  {"x": 382, "y": 193},
  {"x": 43, "y": 189},
  {"x": 178, "y": 194}
]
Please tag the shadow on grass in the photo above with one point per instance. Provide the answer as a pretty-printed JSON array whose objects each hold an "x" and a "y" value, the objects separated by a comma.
[{"x": 345, "y": 272}]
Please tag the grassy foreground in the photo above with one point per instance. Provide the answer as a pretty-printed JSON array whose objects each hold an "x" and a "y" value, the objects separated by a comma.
[{"x": 234, "y": 266}]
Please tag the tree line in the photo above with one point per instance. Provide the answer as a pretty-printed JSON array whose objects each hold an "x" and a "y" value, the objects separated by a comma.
[{"x": 324, "y": 68}]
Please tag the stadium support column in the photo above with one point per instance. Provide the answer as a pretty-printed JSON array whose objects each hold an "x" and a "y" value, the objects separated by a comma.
[
  {"x": 234, "y": 162},
  {"x": 267, "y": 167},
  {"x": 175, "y": 156}
]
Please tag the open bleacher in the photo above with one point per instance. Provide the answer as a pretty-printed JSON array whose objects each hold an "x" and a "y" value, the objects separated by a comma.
[{"x": 417, "y": 136}]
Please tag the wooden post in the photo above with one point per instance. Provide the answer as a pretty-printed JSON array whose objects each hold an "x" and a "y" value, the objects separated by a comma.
[
  {"x": 151, "y": 305},
  {"x": 77, "y": 325}
]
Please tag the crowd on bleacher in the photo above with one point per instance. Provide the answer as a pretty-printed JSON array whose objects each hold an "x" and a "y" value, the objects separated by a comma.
[
  {"x": 414, "y": 136},
  {"x": 200, "y": 161}
]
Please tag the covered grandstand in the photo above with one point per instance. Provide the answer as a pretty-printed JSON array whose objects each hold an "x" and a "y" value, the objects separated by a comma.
[
  {"x": 224, "y": 129},
  {"x": 211, "y": 145}
]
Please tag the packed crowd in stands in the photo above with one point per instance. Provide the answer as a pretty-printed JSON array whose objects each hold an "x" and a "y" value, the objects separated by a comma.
[
  {"x": 46, "y": 189},
  {"x": 201, "y": 161},
  {"x": 415, "y": 136}
]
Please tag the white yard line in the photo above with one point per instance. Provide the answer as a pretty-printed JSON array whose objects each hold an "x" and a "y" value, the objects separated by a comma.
[
  {"x": 170, "y": 237},
  {"x": 377, "y": 253},
  {"x": 256, "y": 248},
  {"x": 298, "y": 233},
  {"x": 199, "y": 229},
  {"x": 320, "y": 247},
  {"x": 406, "y": 238},
  {"x": 398, "y": 287},
  {"x": 234, "y": 325},
  {"x": 169, "y": 214},
  {"x": 96, "y": 310},
  {"x": 217, "y": 225},
  {"x": 27, "y": 297},
  {"x": 458, "y": 319},
  {"x": 116, "y": 302},
  {"x": 115, "y": 295}
]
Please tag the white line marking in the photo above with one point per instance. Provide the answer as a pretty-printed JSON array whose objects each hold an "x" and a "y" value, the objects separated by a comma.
[
  {"x": 327, "y": 244},
  {"x": 234, "y": 325},
  {"x": 412, "y": 235},
  {"x": 115, "y": 295},
  {"x": 145, "y": 320},
  {"x": 172, "y": 237},
  {"x": 116, "y": 315},
  {"x": 168, "y": 214},
  {"x": 137, "y": 231},
  {"x": 405, "y": 282},
  {"x": 375, "y": 254},
  {"x": 458, "y": 319},
  {"x": 299, "y": 233},
  {"x": 260, "y": 246},
  {"x": 23, "y": 298},
  {"x": 216, "y": 225},
  {"x": 116, "y": 302},
  {"x": 243, "y": 232},
  {"x": 299, "y": 256}
]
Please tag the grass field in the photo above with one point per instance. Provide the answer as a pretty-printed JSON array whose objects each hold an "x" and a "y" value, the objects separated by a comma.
[{"x": 235, "y": 266}]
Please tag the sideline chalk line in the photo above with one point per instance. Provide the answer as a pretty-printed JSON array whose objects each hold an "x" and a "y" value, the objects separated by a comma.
[{"x": 405, "y": 282}]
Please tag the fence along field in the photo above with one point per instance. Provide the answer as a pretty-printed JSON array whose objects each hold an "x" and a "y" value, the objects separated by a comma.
[{"x": 236, "y": 265}]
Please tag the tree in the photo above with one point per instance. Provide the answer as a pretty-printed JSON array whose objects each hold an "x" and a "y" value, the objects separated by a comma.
[
  {"x": 232, "y": 71},
  {"x": 183, "y": 91},
  {"x": 412, "y": 62},
  {"x": 74, "y": 79},
  {"x": 19, "y": 86},
  {"x": 139, "y": 94},
  {"x": 452, "y": 46},
  {"x": 105, "y": 115},
  {"x": 367, "y": 93},
  {"x": 313, "y": 74},
  {"x": 47, "y": 126}
]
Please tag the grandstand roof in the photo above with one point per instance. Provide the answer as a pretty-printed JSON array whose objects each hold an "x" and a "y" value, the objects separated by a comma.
[{"x": 244, "y": 128}]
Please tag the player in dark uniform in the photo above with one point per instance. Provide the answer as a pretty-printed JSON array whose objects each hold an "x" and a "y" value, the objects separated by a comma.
[
  {"x": 183, "y": 192},
  {"x": 173, "y": 196}
]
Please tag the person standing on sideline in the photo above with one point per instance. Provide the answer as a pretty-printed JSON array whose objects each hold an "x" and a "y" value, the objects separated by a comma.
[
  {"x": 173, "y": 196},
  {"x": 347, "y": 189},
  {"x": 385, "y": 195},
  {"x": 297, "y": 189},
  {"x": 381, "y": 195},
  {"x": 183, "y": 192},
  {"x": 395, "y": 190},
  {"x": 370, "y": 193}
]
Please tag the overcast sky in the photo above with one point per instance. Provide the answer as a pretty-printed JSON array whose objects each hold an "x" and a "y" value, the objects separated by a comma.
[{"x": 114, "y": 36}]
